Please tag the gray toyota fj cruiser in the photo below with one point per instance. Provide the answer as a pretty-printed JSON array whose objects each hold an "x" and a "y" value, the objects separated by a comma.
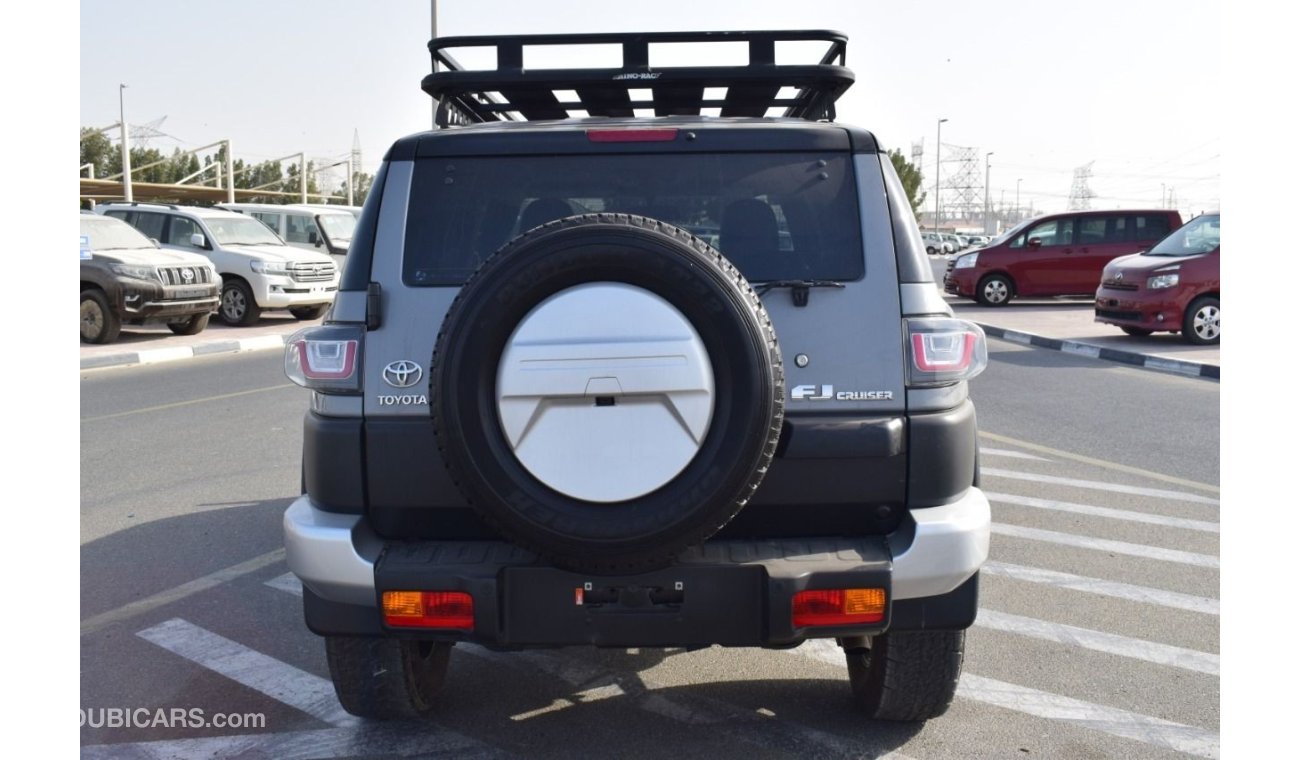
[{"x": 600, "y": 377}]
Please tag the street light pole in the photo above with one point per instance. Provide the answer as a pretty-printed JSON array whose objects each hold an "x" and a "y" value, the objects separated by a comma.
[
  {"x": 938, "y": 151},
  {"x": 126, "y": 144},
  {"x": 1018, "y": 181},
  {"x": 986, "y": 192}
]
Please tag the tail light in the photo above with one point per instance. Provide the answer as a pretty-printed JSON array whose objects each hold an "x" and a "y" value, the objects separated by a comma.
[
  {"x": 943, "y": 351},
  {"x": 429, "y": 609},
  {"x": 326, "y": 359},
  {"x": 631, "y": 135},
  {"x": 837, "y": 606}
]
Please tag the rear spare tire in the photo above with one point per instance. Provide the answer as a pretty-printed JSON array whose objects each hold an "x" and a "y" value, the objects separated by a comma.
[{"x": 607, "y": 390}]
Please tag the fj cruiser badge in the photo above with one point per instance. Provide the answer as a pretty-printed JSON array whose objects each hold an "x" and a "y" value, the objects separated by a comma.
[{"x": 827, "y": 393}]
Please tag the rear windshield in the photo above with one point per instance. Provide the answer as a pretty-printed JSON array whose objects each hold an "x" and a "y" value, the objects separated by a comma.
[{"x": 774, "y": 215}]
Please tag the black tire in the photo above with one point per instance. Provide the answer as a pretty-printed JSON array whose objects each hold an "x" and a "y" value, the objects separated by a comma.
[
  {"x": 643, "y": 532},
  {"x": 995, "y": 290},
  {"x": 383, "y": 679},
  {"x": 99, "y": 323},
  {"x": 1201, "y": 321},
  {"x": 238, "y": 308},
  {"x": 192, "y": 326},
  {"x": 309, "y": 312},
  {"x": 907, "y": 675},
  {"x": 1137, "y": 332}
]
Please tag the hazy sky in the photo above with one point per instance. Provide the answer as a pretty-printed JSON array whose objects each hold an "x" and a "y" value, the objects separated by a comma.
[{"x": 1047, "y": 86}]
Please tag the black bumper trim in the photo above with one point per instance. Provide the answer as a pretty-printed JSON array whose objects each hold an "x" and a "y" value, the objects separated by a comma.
[{"x": 734, "y": 593}]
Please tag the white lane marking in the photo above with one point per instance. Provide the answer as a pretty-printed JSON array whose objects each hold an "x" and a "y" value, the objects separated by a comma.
[
  {"x": 288, "y": 583},
  {"x": 372, "y": 740},
  {"x": 281, "y": 681},
  {"x": 176, "y": 593},
  {"x": 1155, "y": 731},
  {"x": 1106, "y": 545},
  {"x": 986, "y": 451},
  {"x": 1204, "y": 526},
  {"x": 1103, "y": 587},
  {"x": 1100, "y": 641},
  {"x": 1099, "y": 462},
  {"x": 1098, "y": 485}
]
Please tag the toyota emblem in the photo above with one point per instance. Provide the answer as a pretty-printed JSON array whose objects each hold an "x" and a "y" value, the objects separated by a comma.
[
  {"x": 187, "y": 274},
  {"x": 402, "y": 374}
]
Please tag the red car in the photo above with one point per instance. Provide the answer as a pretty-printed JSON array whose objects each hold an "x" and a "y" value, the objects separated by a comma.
[
  {"x": 1174, "y": 287},
  {"x": 1056, "y": 255}
]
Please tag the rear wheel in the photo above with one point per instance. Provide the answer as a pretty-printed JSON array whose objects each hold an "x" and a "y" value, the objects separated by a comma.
[
  {"x": 1136, "y": 331},
  {"x": 309, "y": 312},
  {"x": 907, "y": 675},
  {"x": 1201, "y": 321},
  {"x": 192, "y": 326},
  {"x": 99, "y": 323},
  {"x": 237, "y": 305},
  {"x": 382, "y": 678},
  {"x": 995, "y": 290}
]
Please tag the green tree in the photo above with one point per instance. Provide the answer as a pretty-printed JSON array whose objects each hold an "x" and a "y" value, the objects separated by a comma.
[
  {"x": 361, "y": 183},
  {"x": 911, "y": 177}
]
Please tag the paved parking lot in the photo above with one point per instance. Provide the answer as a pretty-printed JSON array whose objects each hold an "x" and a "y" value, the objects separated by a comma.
[{"x": 1098, "y": 634}]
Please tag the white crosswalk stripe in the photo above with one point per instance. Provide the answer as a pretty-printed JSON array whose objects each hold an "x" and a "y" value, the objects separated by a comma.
[
  {"x": 1155, "y": 731},
  {"x": 1100, "y": 641},
  {"x": 1106, "y": 545},
  {"x": 986, "y": 451},
  {"x": 1098, "y": 485},
  {"x": 1102, "y": 587},
  {"x": 1203, "y": 526}
]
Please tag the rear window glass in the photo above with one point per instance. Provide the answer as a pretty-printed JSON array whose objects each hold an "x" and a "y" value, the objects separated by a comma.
[{"x": 775, "y": 216}]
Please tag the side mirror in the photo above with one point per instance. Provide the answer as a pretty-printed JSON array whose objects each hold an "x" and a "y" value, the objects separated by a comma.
[
  {"x": 1035, "y": 243},
  {"x": 313, "y": 238},
  {"x": 198, "y": 241}
]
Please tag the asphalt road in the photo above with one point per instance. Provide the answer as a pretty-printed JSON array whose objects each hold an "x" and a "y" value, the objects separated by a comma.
[{"x": 1098, "y": 635}]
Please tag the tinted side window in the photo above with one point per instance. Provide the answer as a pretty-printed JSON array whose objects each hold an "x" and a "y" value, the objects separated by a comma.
[
  {"x": 180, "y": 230},
  {"x": 1092, "y": 229},
  {"x": 150, "y": 225},
  {"x": 297, "y": 229},
  {"x": 1048, "y": 232},
  {"x": 270, "y": 220},
  {"x": 1151, "y": 227}
]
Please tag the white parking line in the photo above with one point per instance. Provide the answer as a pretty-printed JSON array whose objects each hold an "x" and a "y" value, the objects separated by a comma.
[
  {"x": 1200, "y": 742},
  {"x": 1100, "y": 641},
  {"x": 372, "y": 740},
  {"x": 1155, "y": 731},
  {"x": 1103, "y": 587},
  {"x": 1204, "y": 526},
  {"x": 986, "y": 451},
  {"x": 280, "y": 681},
  {"x": 1106, "y": 545},
  {"x": 1098, "y": 485},
  {"x": 287, "y": 583}
]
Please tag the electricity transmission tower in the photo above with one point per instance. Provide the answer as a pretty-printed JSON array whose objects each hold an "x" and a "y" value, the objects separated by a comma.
[
  {"x": 963, "y": 187},
  {"x": 1080, "y": 194}
]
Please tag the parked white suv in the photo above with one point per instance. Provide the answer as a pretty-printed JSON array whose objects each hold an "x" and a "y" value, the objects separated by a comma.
[
  {"x": 318, "y": 229},
  {"x": 258, "y": 269}
]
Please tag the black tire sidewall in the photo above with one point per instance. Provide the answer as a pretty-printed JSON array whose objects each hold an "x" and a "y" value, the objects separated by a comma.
[
  {"x": 251, "y": 312},
  {"x": 463, "y": 390},
  {"x": 1189, "y": 321},
  {"x": 112, "y": 323}
]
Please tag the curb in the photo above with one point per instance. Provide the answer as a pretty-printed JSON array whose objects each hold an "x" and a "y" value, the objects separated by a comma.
[
  {"x": 156, "y": 355},
  {"x": 1133, "y": 358}
]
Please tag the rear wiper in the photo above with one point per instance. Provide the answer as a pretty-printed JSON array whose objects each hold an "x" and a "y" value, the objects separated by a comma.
[{"x": 798, "y": 288}]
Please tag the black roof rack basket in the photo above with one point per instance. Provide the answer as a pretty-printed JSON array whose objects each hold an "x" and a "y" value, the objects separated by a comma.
[{"x": 512, "y": 92}]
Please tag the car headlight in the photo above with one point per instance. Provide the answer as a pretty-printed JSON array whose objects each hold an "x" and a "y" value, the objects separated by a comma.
[
  {"x": 1162, "y": 281},
  {"x": 269, "y": 267},
  {"x": 136, "y": 271},
  {"x": 967, "y": 261}
]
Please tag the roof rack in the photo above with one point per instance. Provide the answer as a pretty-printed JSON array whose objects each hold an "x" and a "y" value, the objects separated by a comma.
[{"x": 511, "y": 92}]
